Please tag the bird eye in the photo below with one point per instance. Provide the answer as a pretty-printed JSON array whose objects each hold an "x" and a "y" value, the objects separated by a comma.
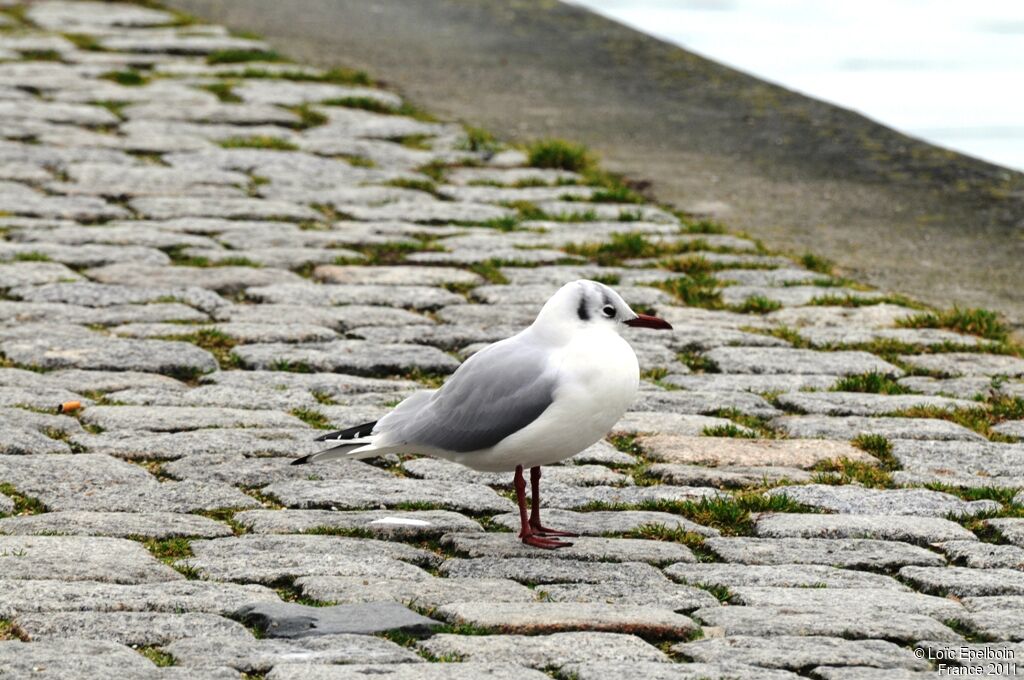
[{"x": 608, "y": 311}]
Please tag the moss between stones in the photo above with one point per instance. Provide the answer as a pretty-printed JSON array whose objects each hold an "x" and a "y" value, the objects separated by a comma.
[{"x": 23, "y": 505}]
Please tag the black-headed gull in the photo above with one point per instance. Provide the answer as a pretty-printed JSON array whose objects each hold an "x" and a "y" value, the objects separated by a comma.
[{"x": 536, "y": 398}]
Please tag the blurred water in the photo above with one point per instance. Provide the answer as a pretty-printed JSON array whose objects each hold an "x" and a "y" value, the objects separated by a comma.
[{"x": 948, "y": 71}]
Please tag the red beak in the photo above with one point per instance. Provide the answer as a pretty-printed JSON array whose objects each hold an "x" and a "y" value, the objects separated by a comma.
[{"x": 647, "y": 321}]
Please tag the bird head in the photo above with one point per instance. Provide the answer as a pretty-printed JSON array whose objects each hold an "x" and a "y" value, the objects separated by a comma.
[{"x": 596, "y": 305}]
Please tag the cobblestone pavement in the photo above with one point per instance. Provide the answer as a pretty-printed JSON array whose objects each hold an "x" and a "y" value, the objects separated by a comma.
[{"x": 218, "y": 254}]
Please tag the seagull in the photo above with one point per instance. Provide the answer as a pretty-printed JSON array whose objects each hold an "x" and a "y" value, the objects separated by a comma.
[{"x": 536, "y": 398}]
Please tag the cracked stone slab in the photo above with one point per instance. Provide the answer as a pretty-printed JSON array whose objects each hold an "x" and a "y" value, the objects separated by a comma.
[
  {"x": 835, "y": 621},
  {"x": 430, "y": 593},
  {"x": 178, "y": 418},
  {"x": 584, "y": 549},
  {"x": 773, "y": 360},
  {"x": 291, "y": 620},
  {"x": 865, "y": 404},
  {"x": 779, "y": 575},
  {"x": 535, "y": 571},
  {"x": 548, "y": 651},
  {"x": 79, "y": 558},
  {"x": 447, "y": 671},
  {"x": 535, "y": 618},
  {"x": 259, "y": 656},
  {"x": 964, "y": 581},
  {"x": 861, "y": 600},
  {"x": 854, "y": 553},
  {"x": 799, "y": 652},
  {"x": 115, "y": 524},
  {"x": 857, "y": 500},
  {"x": 851, "y": 427},
  {"x": 600, "y": 522},
  {"x": 38, "y": 595},
  {"x": 887, "y": 527},
  {"x": 128, "y": 628},
  {"x": 371, "y": 494},
  {"x": 348, "y": 356},
  {"x": 385, "y": 524}
]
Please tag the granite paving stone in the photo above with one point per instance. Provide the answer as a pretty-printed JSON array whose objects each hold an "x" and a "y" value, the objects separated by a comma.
[
  {"x": 67, "y": 657},
  {"x": 117, "y": 524},
  {"x": 386, "y": 524},
  {"x": 834, "y": 621},
  {"x": 979, "y": 555},
  {"x": 679, "y": 598},
  {"x": 384, "y": 493},
  {"x": 888, "y": 527},
  {"x": 953, "y": 364},
  {"x": 147, "y": 445},
  {"x": 128, "y": 628},
  {"x": 575, "y": 475},
  {"x": 851, "y": 427},
  {"x": 583, "y": 497},
  {"x": 726, "y": 477},
  {"x": 554, "y": 650},
  {"x": 733, "y": 452},
  {"x": 347, "y": 356},
  {"x": 853, "y": 500},
  {"x": 80, "y": 558},
  {"x": 648, "y": 670},
  {"x": 780, "y": 575},
  {"x": 782, "y": 360},
  {"x": 429, "y": 593},
  {"x": 259, "y": 656},
  {"x": 601, "y": 523},
  {"x": 854, "y": 553},
  {"x": 549, "y": 617},
  {"x": 448, "y": 671},
  {"x": 47, "y": 595},
  {"x": 178, "y": 418},
  {"x": 535, "y": 571},
  {"x": 863, "y": 404},
  {"x": 585, "y": 549},
  {"x": 797, "y": 653},
  {"x": 964, "y": 581},
  {"x": 1010, "y": 528},
  {"x": 292, "y": 620},
  {"x": 866, "y": 599}
]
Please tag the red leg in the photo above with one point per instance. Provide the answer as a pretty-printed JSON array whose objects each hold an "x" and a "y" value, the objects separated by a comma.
[
  {"x": 535, "y": 524},
  {"x": 527, "y": 534}
]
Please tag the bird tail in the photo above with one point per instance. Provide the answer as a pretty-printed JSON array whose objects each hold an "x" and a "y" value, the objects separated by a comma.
[{"x": 354, "y": 443}]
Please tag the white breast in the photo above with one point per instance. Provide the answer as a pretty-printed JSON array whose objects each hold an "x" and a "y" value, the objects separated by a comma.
[{"x": 598, "y": 381}]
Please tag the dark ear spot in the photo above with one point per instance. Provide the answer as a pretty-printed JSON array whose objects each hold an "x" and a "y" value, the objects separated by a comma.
[{"x": 581, "y": 310}]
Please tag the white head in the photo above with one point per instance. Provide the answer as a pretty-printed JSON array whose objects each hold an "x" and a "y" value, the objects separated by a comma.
[{"x": 592, "y": 305}]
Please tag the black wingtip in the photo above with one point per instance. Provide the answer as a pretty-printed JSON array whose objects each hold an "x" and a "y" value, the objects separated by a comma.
[{"x": 303, "y": 460}]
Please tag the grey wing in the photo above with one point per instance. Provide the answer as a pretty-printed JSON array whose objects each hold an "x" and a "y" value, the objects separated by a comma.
[{"x": 497, "y": 392}]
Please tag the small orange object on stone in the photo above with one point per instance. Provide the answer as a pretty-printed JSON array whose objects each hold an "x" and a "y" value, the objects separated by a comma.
[{"x": 69, "y": 406}]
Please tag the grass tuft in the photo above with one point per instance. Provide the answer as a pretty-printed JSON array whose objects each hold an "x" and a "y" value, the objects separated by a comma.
[
  {"x": 23, "y": 505},
  {"x": 237, "y": 56},
  {"x": 698, "y": 290},
  {"x": 872, "y": 382},
  {"x": 846, "y": 471},
  {"x": 879, "y": 447},
  {"x": 159, "y": 657},
  {"x": 729, "y": 430},
  {"x": 757, "y": 304},
  {"x": 560, "y": 154},
  {"x": 816, "y": 263},
  {"x": 312, "y": 417},
  {"x": 258, "y": 142},
  {"x": 981, "y": 322}
]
